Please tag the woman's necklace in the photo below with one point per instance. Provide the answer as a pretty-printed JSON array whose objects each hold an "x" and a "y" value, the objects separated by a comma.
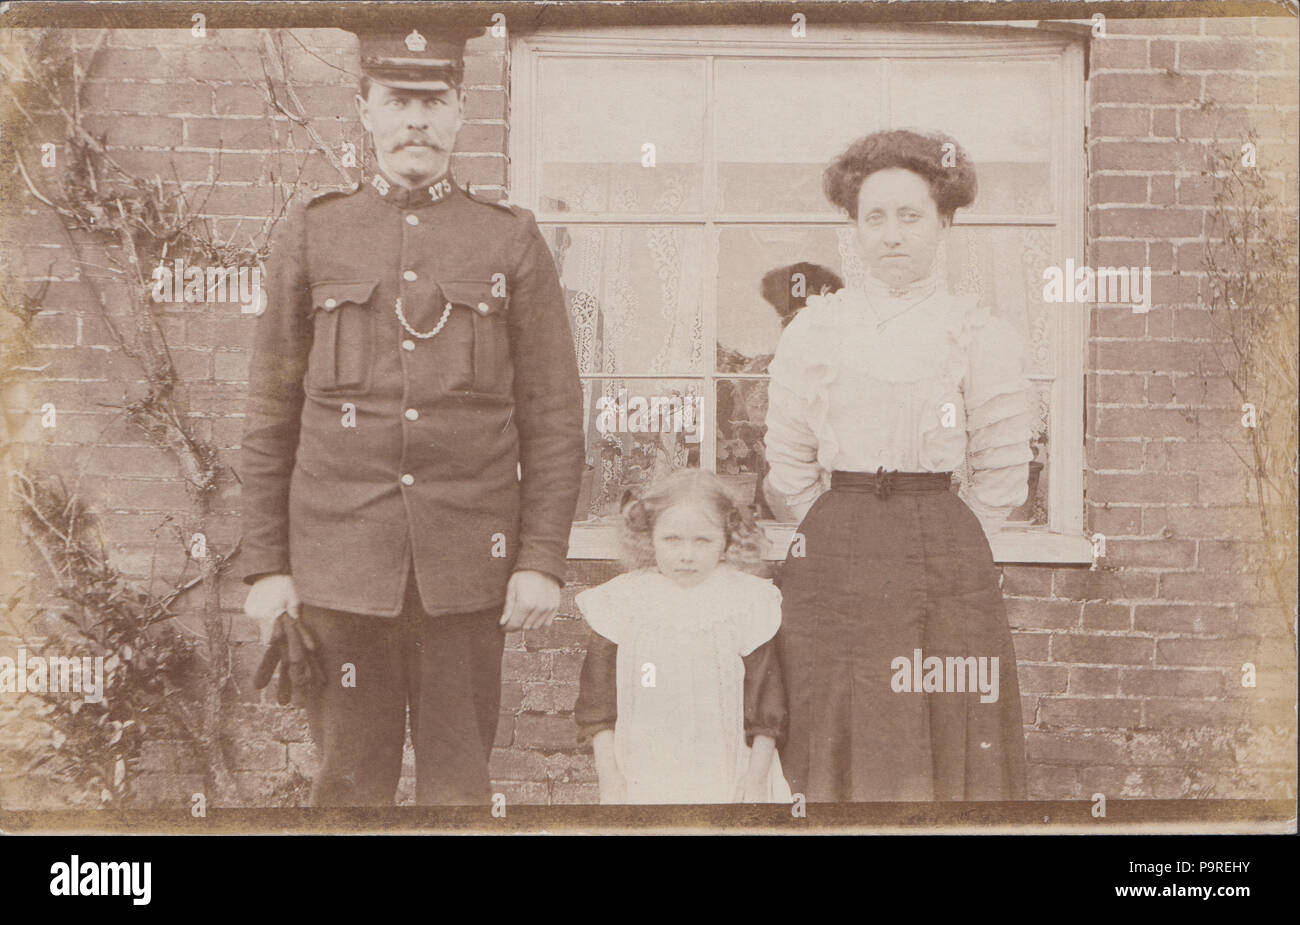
[{"x": 881, "y": 322}]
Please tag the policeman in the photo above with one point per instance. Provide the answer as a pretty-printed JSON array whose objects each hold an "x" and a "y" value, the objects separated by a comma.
[{"x": 414, "y": 444}]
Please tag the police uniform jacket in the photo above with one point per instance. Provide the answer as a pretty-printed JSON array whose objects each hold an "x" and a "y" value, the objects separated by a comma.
[{"x": 370, "y": 448}]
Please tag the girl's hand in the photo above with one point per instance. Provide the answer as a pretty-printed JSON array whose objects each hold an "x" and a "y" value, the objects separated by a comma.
[
  {"x": 613, "y": 786},
  {"x": 753, "y": 788}
]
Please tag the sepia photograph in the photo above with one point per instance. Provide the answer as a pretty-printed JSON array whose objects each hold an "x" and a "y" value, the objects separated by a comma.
[{"x": 657, "y": 417}]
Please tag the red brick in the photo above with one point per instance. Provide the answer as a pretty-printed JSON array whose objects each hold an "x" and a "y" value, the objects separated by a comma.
[
  {"x": 1125, "y": 122},
  {"x": 484, "y": 70},
  {"x": 1114, "y": 454},
  {"x": 231, "y": 134},
  {"x": 1050, "y": 782},
  {"x": 1102, "y": 584},
  {"x": 1118, "y": 322},
  {"x": 1119, "y": 53},
  {"x": 1115, "y": 521},
  {"x": 516, "y": 764},
  {"x": 574, "y": 794},
  {"x": 522, "y": 793},
  {"x": 1101, "y": 650},
  {"x": 1162, "y": 26},
  {"x": 567, "y": 666},
  {"x": 1160, "y": 390},
  {"x": 1206, "y": 522},
  {"x": 1093, "y": 682},
  {"x": 1218, "y": 123},
  {"x": 1151, "y": 553},
  {"x": 176, "y": 97},
  {"x": 1073, "y": 748},
  {"x": 479, "y": 171},
  {"x": 1197, "y": 586},
  {"x": 1145, "y": 422},
  {"x": 1160, "y": 256},
  {"x": 1119, "y": 253},
  {"x": 1039, "y": 614},
  {"x": 1234, "y": 55},
  {"x": 549, "y": 696},
  {"x": 1162, "y": 189},
  {"x": 1026, "y": 581},
  {"x": 1119, "y": 388},
  {"x": 1190, "y": 618},
  {"x": 1142, "y": 223},
  {"x": 561, "y": 633},
  {"x": 1229, "y": 88},
  {"x": 1031, "y": 647},
  {"x": 1149, "y": 88},
  {"x": 1229, "y": 652},
  {"x": 1163, "y": 54},
  {"x": 1042, "y": 679},
  {"x": 1159, "y": 488},
  {"x": 1090, "y": 713},
  {"x": 1192, "y": 714},
  {"x": 526, "y": 666},
  {"x": 549, "y": 733},
  {"x": 1164, "y": 123},
  {"x": 1170, "y": 682},
  {"x": 1279, "y": 25},
  {"x": 1147, "y": 155},
  {"x": 1099, "y": 616}
]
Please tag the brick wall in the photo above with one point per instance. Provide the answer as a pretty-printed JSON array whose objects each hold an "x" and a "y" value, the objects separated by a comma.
[{"x": 1129, "y": 671}]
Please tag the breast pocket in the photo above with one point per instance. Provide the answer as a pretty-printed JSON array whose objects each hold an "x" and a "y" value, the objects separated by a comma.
[
  {"x": 343, "y": 339},
  {"x": 475, "y": 349}
]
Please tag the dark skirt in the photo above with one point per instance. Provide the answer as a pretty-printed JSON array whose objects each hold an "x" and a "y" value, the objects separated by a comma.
[{"x": 889, "y": 569}]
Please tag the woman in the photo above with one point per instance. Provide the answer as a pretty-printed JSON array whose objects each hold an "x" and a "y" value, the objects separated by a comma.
[{"x": 892, "y": 613}]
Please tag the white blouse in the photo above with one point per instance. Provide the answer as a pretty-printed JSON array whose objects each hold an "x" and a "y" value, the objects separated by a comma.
[{"x": 916, "y": 381}]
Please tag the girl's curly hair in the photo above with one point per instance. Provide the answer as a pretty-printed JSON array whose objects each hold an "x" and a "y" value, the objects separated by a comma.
[
  {"x": 951, "y": 187},
  {"x": 743, "y": 549}
]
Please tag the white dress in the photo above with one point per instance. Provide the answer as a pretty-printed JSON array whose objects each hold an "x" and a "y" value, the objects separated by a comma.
[{"x": 680, "y": 732}]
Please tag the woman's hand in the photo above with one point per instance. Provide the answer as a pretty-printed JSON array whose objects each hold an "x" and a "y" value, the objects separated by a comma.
[{"x": 753, "y": 786}]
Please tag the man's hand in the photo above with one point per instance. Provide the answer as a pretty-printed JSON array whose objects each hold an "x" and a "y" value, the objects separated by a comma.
[
  {"x": 532, "y": 599},
  {"x": 270, "y": 596}
]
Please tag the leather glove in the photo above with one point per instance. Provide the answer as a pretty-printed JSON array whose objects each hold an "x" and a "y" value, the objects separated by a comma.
[{"x": 295, "y": 650}]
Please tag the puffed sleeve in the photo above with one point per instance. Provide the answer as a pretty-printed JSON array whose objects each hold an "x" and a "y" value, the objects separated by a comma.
[
  {"x": 794, "y": 478},
  {"x": 597, "y": 706},
  {"x": 765, "y": 709},
  {"x": 997, "y": 424},
  {"x": 604, "y": 607}
]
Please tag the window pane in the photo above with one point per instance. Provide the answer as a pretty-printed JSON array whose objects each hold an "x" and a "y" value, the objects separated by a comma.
[
  {"x": 637, "y": 430},
  {"x": 1000, "y": 112},
  {"x": 742, "y": 410},
  {"x": 597, "y": 117},
  {"x": 634, "y": 296},
  {"x": 778, "y": 124},
  {"x": 764, "y": 274}
]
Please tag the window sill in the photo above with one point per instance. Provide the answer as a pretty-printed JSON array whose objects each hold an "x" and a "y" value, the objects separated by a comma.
[{"x": 1029, "y": 545}]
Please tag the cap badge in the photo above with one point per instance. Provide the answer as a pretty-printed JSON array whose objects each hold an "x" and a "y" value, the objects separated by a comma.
[{"x": 415, "y": 41}]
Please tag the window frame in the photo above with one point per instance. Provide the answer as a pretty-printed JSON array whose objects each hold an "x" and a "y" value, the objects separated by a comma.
[{"x": 1062, "y": 539}]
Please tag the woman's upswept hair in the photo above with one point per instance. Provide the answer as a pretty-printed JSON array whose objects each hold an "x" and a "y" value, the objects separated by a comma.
[
  {"x": 951, "y": 187},
  {"x": 743, "y": 548}
]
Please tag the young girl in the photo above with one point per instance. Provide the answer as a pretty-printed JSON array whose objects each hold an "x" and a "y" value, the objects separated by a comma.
[{"x": 681, "y": 674}]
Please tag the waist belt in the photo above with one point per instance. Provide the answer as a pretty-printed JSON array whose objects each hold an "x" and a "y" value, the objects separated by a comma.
[{"x": 886, "y": 483}]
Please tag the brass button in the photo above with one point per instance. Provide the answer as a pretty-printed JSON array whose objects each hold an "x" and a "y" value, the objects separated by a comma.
[
  {"x": 412, "y": 414},
  {"x": 408, "y": 479},
  {"x": 409, "y": 276},
  {"x": 408, "y": 345},
  {"x": 330, "y": 303},
  {"x": 411, "y": 219},
  {"x": 483, "y": 308}
]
